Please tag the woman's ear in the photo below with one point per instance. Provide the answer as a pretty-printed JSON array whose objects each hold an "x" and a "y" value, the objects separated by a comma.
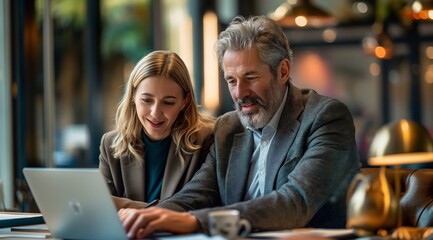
[{"x": 186, "y": 101}]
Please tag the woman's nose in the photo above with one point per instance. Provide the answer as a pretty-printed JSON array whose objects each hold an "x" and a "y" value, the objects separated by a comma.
[{"x": 156, "y": 110}]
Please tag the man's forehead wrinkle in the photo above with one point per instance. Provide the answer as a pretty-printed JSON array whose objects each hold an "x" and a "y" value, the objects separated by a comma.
[
  {"x": 238, "y": 72},
  {"x": 239, "y": 63}
]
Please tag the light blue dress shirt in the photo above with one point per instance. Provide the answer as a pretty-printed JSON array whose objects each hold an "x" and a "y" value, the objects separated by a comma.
[{"x": 262, "y": 142}]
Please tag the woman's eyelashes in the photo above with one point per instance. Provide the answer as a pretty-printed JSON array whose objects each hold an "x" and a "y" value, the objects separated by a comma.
[{"x": 151, "y": 101}]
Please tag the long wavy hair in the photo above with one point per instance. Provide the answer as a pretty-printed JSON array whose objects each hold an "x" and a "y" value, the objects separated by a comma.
[{"x": 188, "y": 123}]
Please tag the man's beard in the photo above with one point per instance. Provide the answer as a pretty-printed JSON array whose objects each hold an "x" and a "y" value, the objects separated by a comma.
[{"x": 259, "y": 118}]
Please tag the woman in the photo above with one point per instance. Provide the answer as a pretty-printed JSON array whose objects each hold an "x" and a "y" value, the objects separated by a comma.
[{"x": 160, "y": 139}]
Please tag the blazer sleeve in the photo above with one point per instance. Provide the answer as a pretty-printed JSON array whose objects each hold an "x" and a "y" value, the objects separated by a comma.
[
  {"x": 111, "y": 171},
  {"x": 201, "y": 192},
  {"x": 105, "y": 154}
]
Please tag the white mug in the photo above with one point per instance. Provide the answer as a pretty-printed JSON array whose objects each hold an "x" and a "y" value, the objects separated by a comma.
[{"x": 228, "y": 224}]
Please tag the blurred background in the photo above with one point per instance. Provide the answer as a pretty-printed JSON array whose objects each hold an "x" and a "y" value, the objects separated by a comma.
[{"x": 63, "y": 64}]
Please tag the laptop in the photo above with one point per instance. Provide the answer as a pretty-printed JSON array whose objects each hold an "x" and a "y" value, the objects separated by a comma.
[{"x": 75, "y": 203}]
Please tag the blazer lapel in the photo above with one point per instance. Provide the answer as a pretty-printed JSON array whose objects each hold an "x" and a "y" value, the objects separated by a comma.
[
  {"x": 133, "y": 177},
  {"x": 287, "y": 128},
  {"x": 174, "y": 170},
  {"x": 238, "y": 166}
]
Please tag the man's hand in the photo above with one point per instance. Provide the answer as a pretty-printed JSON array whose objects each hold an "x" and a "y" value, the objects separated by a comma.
[{"x": 140, "y": 223}]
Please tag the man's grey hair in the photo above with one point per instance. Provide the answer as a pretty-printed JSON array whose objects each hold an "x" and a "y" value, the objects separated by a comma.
[{"x": 260, "y": 32}]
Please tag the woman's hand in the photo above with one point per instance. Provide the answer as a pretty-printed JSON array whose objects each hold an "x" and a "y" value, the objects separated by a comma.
[{"x": 140, "y": 223}]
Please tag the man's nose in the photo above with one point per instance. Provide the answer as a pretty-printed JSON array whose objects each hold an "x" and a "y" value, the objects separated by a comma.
[{"x": 242, "y": 90}]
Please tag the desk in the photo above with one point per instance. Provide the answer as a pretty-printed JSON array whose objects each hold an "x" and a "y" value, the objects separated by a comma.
[
  {"x": 297, "y": 234},
  {"x": 41, "y": 231},
  {"x": 327, "y": 233}
]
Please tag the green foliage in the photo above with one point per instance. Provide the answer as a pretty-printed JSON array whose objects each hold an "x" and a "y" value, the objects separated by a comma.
[{"x": 126, "y": 29}]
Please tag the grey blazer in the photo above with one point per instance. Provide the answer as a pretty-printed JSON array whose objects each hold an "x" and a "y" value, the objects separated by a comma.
[
  {"x": 312, "y": 160},
  {"x": 125, "y": 176}
]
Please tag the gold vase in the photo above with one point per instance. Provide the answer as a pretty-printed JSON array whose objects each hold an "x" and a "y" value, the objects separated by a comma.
[{"x": 372, "y": 204}]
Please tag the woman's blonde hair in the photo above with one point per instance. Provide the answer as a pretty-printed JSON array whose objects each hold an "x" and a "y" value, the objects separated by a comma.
[{"x": 188, "y": 123}]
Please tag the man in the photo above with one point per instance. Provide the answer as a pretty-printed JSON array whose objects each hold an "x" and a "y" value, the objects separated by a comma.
[{"x": 284, "y": 158}]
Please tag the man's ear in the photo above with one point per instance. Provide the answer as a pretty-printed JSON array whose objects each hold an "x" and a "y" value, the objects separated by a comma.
[{"x": 284, "y": 71}]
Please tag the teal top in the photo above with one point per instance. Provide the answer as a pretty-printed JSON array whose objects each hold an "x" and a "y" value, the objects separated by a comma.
[{"x": 156, "y": 153}]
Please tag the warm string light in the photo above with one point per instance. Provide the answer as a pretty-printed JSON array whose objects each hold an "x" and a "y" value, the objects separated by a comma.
[
  {"x": 379, "y": 45},
  {"x": 419, "y": 11}
]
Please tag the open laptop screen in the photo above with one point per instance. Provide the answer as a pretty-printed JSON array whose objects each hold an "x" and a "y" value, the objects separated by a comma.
[{"x": 75, "y": 203}]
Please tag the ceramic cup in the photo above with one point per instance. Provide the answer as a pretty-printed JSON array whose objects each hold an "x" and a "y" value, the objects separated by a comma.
[{"x": 228, "y": 224}]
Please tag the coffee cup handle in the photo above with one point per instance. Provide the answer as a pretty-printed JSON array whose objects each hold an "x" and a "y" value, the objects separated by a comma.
[{"x": 245, "y": 226}]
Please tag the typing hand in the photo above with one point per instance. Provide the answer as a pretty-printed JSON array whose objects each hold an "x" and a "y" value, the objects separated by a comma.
[{"x": 140, "y": 223}]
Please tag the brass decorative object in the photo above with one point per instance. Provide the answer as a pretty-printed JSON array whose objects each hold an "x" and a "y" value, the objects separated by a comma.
[
  {"x": 373, "y": 206},
  {"x": 403, "y": 142}
]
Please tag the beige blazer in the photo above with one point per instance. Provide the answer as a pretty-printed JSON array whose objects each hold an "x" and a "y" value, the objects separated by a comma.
[{"x": 125, "y": 176}]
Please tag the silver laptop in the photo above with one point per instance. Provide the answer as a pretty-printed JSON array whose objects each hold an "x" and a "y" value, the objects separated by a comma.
[{"x": 75, "y": 203}]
